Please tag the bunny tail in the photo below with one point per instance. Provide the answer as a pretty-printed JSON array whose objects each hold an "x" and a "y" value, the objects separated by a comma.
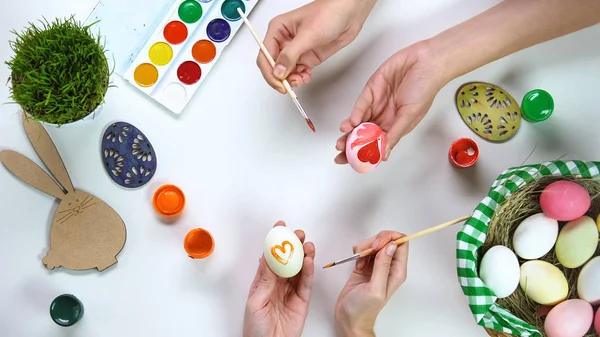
[{"x": 49, "y": 261}]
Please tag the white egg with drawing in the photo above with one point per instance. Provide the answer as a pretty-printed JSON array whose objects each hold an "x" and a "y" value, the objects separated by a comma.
[{"x": 283, "y": 251}]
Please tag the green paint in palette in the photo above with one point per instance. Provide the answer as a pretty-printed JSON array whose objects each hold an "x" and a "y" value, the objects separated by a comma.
[
  {"x": 229, "y": 9},
  {"x": 190, "y": 11}
]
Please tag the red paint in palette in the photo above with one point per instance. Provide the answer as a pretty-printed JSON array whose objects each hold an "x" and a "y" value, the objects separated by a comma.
[
  {"x": 189, "y": 72},
  {"x": 175, "y": 32}
]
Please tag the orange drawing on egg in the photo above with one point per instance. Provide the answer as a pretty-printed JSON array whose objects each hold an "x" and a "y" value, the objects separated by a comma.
[{"x": 281, "y": 254}]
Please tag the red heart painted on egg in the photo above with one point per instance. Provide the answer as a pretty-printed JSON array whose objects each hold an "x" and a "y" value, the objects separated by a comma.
[{"x": 370, "y": 153}]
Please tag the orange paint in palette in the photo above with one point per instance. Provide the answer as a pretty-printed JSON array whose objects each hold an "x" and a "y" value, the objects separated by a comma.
[{"x": 188, "y": 42}]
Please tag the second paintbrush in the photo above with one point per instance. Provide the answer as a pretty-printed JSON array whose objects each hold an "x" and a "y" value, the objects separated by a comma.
[
  {"x": 399, "y": 241},
  {"x": 286, "y": 84}
]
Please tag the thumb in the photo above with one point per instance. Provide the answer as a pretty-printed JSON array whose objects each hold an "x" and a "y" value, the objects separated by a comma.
[
  {"x": 409, "y": 118},
  {"x": 263, "y": 284},
  {"x": 398, "y": 130},
  {"x": 288, "y": 57},
  {"x": 381, "y": 268}
]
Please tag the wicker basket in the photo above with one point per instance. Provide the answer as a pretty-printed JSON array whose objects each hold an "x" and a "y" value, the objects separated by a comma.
[{"x": 514, "y": 188}]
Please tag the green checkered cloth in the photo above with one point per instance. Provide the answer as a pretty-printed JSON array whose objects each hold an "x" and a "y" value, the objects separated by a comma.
[{"x": 471, "y": 237}]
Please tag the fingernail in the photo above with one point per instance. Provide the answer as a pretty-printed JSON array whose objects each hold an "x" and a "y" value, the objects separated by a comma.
[
  {"x": 279, "y": 71},
  {"x": 391, "y": 249},
  {"x": 375, "y": 244},
  {"x": 294, "y": 83},
  {"x": 281, "y": 90},
  {"x": 360, "y": 264}
]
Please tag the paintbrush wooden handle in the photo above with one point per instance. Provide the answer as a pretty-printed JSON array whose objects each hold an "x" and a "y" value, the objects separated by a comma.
[
  {"x": 265, "y": 52},
  {"x": 419, "y": 234}
]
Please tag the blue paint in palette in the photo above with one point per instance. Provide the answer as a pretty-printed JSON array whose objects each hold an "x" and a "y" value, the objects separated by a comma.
[
  {"x": 128, "y": 156},
  {"x": 218, "y": 30}
]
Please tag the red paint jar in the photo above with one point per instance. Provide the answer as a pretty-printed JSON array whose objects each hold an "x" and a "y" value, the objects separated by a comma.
[{"x": 463, "y": 153}]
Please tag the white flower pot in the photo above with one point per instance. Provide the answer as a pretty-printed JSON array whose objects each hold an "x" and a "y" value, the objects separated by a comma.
[{"x": 84, "y": 120}]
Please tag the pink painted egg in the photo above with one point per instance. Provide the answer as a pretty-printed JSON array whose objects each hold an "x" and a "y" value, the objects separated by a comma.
[
  {"x": 571, "y": 318},
  {"x": 365, "y": 147},
  {"x": 565, "y": 200},
  {"x": 597, "y": 322}
]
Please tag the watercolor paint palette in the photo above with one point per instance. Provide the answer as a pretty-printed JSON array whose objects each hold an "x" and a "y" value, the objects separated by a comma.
[{"x": 177, "y": 50}]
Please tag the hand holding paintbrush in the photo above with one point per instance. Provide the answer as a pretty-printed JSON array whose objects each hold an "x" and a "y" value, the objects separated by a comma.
[
  {"x": 399, "y": 241},
  {"x": 286, "y": 84}
]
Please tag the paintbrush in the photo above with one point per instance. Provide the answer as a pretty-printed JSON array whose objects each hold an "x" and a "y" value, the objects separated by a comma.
[
  {"x": 400, "y": 241},
  {"x": 286, "y": 84}
]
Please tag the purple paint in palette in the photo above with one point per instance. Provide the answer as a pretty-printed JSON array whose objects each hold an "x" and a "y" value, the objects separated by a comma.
[
  {"x": 216, "y": 25},
  {"x": 218, "y": 30}
]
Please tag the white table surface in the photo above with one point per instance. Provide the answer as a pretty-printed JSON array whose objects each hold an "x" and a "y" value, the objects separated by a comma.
[{"x": 267, "y": 165}]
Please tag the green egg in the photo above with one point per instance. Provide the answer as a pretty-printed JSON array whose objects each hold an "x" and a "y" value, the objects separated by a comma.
[{"x": 577, "y": 242}]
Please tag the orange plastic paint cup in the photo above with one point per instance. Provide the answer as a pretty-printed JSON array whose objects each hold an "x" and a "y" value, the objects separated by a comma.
[
  {"x": 199, "y": 243},
  {"x": 169, "y": 200},
  {"x": 463, "y": 153}
]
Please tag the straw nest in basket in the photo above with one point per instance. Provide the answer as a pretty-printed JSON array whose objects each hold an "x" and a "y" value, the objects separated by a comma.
[{"x": 503, "y": 224}]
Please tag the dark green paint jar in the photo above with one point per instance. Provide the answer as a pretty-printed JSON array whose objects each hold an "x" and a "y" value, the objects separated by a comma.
[{"x": 66, "y": 310}]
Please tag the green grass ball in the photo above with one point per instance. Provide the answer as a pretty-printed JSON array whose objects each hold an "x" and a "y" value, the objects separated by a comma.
[{"x": 59, "y": 72}]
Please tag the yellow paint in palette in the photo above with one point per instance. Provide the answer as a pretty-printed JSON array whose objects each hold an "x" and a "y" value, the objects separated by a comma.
[
  {"x": 145, "y": 75},
  {"x": 160, "y": 53}
]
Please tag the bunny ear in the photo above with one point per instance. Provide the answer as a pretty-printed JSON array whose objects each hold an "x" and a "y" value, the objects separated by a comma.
[
  {"x": 43, "y": 145},
  {"x": 30, "y": 173}
]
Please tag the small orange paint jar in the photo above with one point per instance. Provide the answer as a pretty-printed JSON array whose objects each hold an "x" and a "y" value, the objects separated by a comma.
[
  {"x": 463, "y": 153},
  {"x": 199, "y": 243},
  {"x": 169, "y": 201}
]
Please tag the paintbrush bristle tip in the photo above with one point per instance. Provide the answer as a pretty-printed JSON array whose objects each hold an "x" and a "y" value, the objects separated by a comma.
[
  {"x": 310, "y": 124},
  {"x": 328, "y": 265}
]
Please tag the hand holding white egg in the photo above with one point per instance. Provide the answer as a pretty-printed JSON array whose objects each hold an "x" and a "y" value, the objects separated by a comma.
[
  {"x": 276, "y": 305},
  {"x": 283, "y": 251}
]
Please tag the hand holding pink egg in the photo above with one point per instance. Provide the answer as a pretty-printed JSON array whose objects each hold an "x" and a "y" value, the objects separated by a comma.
[{"x": 365, "y": 147}]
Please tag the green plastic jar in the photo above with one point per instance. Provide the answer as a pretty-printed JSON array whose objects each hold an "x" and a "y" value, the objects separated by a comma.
[
  {"x": 537, "y": 106},
  {"x": 66, "y": 310}
]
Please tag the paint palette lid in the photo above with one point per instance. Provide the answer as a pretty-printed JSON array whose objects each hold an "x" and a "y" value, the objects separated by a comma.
[
  {"x": 199, "y": 243},
  {"x": 463, "y": 153},
  {"x": 169, "y": 200},
  {"x": 537, "y": 106},
  {"x": 66, "y": 310}
]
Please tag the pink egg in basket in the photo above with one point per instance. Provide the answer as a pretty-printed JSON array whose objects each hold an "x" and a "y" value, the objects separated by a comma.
[
  {"x": 565, "y": 200},
  {"x": 597, "y": 322},
  {"x": 365, "y": 147},
  {"x": 569, "y": 319}
]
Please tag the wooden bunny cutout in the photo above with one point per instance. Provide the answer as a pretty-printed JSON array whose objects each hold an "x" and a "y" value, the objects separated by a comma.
[{"x": 86, "y": 233}]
